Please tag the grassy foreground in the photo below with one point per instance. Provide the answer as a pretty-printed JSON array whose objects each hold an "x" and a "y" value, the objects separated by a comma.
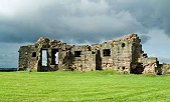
[{"x": 99, "y": 86}]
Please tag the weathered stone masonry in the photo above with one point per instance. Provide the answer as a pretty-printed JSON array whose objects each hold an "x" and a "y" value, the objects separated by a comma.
[{"x": 123, "y": 55}]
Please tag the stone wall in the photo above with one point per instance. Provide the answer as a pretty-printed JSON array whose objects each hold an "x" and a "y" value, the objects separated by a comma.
[
  {"x": 84, "y": 58},
  {"x": 27, "y": 57},
  {"x": 165, "y": 68},
  {"x": 150, "y": 65}
]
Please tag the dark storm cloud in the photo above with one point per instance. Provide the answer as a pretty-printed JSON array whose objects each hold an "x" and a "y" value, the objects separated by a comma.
[
  {"x": 150, "y": 13},
  {"x": 81, "y": 20}
]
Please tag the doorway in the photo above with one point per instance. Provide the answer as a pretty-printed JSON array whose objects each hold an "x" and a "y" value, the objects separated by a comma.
[
  {"x": 98, "y": 60},
  {"x": 44, "y": 57},
  {"x": 54, "y": 57}
]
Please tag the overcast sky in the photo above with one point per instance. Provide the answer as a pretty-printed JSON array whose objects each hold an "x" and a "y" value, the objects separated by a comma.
[{"x": 83, "y": 21}]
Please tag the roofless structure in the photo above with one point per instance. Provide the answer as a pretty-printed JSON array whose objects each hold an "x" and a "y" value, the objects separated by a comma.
[{"x": 124, "y": 55}]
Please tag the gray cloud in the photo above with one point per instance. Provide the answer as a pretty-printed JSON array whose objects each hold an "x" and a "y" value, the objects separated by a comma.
[
  {"x": 144, "y": 38},
  {"x": 82, "y": 20},
  {"x": 8, "y": 55}
]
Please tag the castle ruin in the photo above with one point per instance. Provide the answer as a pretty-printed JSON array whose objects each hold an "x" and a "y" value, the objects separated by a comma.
[{"x": 124, "y": 55}]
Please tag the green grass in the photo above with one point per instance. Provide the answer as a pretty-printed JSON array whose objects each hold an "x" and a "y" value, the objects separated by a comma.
[{"x": 99, "y": 86}]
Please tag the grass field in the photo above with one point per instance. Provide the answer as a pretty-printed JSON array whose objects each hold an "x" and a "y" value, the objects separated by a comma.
[{"x": 99, "y": 86}]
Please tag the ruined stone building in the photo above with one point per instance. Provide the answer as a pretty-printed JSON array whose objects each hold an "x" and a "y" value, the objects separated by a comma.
[{"x": 123, "y": 55}]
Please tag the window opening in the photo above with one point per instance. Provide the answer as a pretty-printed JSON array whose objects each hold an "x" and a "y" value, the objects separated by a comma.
[
  {"x": 77, "y": 53},
  {"x": 33, "y": 54},
  {"x": 106, "y": 52},
  {"x": 123, "y": 44}
]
